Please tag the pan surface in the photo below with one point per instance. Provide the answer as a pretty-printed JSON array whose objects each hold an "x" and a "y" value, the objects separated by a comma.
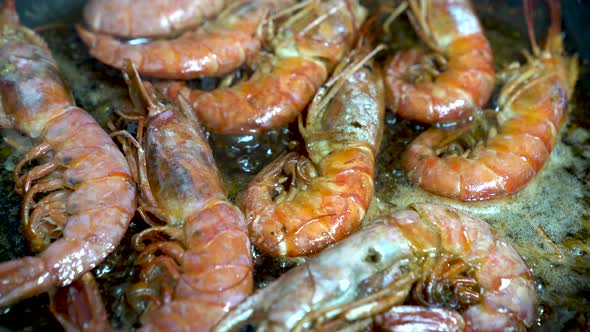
[{"x": 548, "y": 223}]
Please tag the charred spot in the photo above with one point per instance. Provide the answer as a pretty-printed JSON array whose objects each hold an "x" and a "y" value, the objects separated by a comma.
[
  {"x": 72, "y": 181},
  {"x": 373, "y": 256},
  {"x": 357, "y": 124},
  {"x": 248, "y": 328},
  {"x": 368, "y": 68},
  {"x": 66, "y": 159}
]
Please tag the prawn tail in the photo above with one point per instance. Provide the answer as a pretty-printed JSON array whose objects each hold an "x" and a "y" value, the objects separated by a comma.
[{"x": 79, "y": 307}]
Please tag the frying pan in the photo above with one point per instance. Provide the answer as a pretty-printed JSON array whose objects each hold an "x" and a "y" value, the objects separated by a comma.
[{"x": 559, "y": 313}]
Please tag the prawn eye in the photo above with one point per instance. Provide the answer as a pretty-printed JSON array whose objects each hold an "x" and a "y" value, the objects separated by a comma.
[{"x": 373, "y": 256}]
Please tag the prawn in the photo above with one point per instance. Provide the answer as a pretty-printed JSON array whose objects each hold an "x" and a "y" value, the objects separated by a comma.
[
  {"x": 329, "y": 193},
  {"x": 453, "y": 264},
  {"x": 89, "y": 195},
  {"x": 213, "y": 49},
  {"x": 532, "y": 105},
  {"x": 148, "y": 18},
  {"x": 454, "y": 82},
  {"x": 306, "y": 47},
  {"x": 198, "y": 264}
]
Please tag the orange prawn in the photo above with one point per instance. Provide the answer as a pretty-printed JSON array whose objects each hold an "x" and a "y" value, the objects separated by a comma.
[
  {"x": 462, "y": 276},
  {"x": 148, "y": 18},
  {"x": 306, "y": 47},
  {"x": 533, "y": 105},
  {"x": 213, "y": 49},
  {"x": 204, "y": 267},
  {"x": 89, "y": 194},
  {"x": 457, "y": 80},
  {"x": 330, "y": 192}
]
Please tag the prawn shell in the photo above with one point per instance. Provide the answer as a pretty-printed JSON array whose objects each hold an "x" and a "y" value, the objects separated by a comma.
[{"x": 181, "y": 169}]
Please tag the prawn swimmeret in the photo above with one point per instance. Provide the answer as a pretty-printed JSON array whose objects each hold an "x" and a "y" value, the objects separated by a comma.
[
  {"x": 306, "y": 48},
  {"x": 89, "y": 194},
  {"x": 454, "y": 82},
  {"x": 460, "y": 274},
  {"x": 329, "y": 193},
  {"x": 533, "y": 105}
]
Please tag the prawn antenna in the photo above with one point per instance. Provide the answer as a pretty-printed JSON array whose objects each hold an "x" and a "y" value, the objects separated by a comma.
[
  {"x": 528, "y": 14},
  {"x": 137, "y": 90}
]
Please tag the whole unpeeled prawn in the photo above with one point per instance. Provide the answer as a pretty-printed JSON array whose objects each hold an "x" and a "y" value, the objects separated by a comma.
[
  {"x": 306, "y": 48},
  {"x": 329, "y": 193},
  {"x": 148, "y": 18},
  {"x": 533, "y": 105},
  {"x": 88, "y": 193},
  {"x": 455, "y": 82},
  {"x": 213, "y": 49},
  {"x": 462, "y": 274},
  {"x": 195, "y": 260}
]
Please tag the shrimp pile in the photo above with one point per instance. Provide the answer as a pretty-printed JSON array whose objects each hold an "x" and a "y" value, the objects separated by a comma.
[
  {"x": 533, "y": 105},
  {"x": 329, "y": 193},
  {"x": 428, "y": 267},
  {"x": 212, "y": 49},
  {"x": 79, "y": 200},
  {"x": 457, "y": 79},
  {"x": 306, "y": 48},
  {"x": 444, "y": 257}
]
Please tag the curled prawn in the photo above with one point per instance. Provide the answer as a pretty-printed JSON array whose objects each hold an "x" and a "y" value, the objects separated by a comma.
[
  {"x": 533, "y": 105},
  {"x": 88, "y": 193},
  {"x": 307, "y": 47},
  {"x": 213, "y": 49},
  {"x": 460, "y": 274},
  {"x": 148, "y": 18},
  {"x": 329, "y": 193},
  {"x": 453, "y": 83},
  {"x": 203, "y": 267}
]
